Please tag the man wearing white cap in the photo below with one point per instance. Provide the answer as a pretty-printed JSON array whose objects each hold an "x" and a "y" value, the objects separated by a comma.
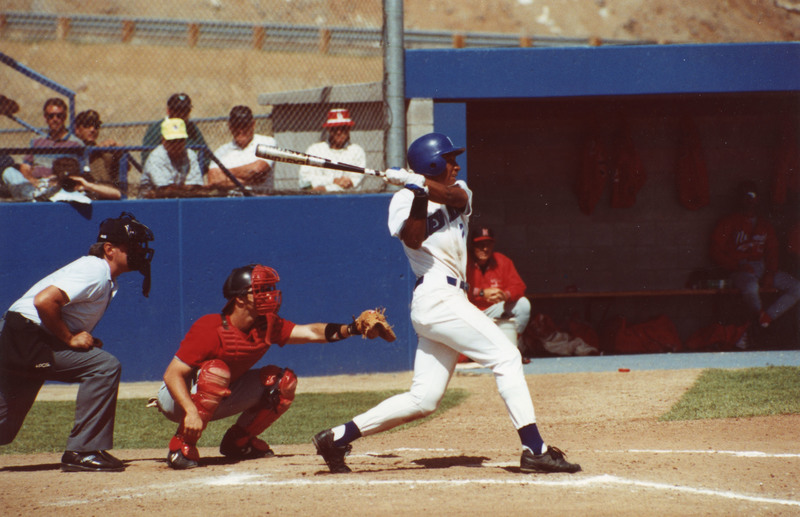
[
  {"x": 337, "y": 148},
  {"x": 171, "y": 163}
]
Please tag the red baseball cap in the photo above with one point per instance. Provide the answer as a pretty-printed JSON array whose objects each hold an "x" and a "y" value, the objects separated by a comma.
[
  {"x": 482, "y": 233},
  {"x": 339, "y": 117}
]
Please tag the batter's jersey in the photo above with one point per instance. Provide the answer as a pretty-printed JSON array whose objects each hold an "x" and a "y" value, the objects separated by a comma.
[
  {"x": 444, "y": 250},
  {"x": 204, "y": 342},
  {"x": 88, "y": 285}
]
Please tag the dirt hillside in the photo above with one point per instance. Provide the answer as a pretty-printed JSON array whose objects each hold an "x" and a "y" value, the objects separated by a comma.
[{"x": 679, "y": 21}]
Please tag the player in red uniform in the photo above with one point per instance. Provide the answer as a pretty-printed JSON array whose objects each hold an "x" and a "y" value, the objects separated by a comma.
[
  {"x": 210, "y": 376},
  {"x": 495, "y": 286},
  {"x": 745, "y": 244}
]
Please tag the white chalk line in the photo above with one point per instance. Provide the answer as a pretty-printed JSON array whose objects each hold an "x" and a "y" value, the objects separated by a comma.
[
  {"x": 741, "y": 454},
  {"x": 243, "y": 480}
]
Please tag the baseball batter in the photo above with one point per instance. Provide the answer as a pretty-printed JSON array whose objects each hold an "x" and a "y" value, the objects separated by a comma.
[{"x": 430, "y": 216}]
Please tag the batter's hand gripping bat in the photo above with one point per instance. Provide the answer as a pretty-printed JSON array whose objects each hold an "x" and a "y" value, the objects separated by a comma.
[{"x": 284, "y": 155}]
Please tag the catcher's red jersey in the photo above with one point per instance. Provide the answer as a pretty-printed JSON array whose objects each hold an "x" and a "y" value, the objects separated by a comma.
[{"x": 209, "y": 339}]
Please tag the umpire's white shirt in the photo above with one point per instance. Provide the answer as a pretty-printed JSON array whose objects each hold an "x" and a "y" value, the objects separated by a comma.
[{"x": 88, "y": 284}]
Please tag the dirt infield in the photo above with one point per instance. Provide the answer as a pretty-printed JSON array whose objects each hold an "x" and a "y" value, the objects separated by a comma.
[{"x": 465, "y": 462}]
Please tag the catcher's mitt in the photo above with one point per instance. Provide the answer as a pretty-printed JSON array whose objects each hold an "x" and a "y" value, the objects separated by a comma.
[{"x": 372, "y": 323}]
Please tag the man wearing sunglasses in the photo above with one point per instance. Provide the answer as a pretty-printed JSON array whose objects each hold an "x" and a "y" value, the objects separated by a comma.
[{"x": 37, "y": 180}]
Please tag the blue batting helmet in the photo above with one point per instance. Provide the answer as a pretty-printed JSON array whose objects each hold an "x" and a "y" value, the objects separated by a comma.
[{"x": 426, "y": 155}]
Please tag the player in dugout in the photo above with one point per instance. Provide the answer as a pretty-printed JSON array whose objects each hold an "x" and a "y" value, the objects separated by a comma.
[
  {"x": 212, "y": 375},
  {"x": 495, "y": 286}
]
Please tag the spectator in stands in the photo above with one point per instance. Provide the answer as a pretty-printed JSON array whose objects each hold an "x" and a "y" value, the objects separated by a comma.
[
  {"x": 338, "y": 148},
  {"x": 495, "y": 287},
  {"x": 171, "y": 163},
  {"x": 239, "y": 155},
  {"x": 179, "y": 105},
  {"x": 104, "y": 165},
  {"x": 76, "y": 184},
  {"x": 16, "y": 181},
  {"x": 34, "y": 178},
  {"x": 744, "y": 243}
]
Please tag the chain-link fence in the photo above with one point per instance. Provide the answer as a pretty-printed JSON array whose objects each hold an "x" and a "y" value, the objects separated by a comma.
[{"x": 287, "y": 60}]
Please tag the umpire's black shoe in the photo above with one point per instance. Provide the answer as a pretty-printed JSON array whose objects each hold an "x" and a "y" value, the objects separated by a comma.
[
  {"x": 333, "y": 455},
  {"x": 551, "y": 460},
  {"x": 92, "y": 461}
]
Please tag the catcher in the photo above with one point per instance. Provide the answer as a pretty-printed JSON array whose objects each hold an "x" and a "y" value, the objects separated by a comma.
[{"x": 211, "y": 378}]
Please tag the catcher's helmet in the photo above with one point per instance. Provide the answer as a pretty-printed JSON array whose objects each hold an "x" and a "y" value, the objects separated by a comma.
[
  {"x": 426, "y": 155},
  {"x": 261, "y": 279},
  {"x": 125, "y": 229}
]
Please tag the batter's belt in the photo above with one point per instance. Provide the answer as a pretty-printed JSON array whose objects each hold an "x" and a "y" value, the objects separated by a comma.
[{"x": 450, "y": 280}]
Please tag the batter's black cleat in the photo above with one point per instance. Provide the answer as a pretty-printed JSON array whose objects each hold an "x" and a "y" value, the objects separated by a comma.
[
  {"x": 333, "y": 455},
  {"x": 177, "y": 461},
  {"x": 238, "y": 445},
  {"x": 551, "y": 460},
  {"x": 92, "y": 461}
]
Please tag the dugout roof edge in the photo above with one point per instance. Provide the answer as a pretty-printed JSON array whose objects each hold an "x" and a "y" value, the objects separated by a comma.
[{"x": 463, "y": 74}]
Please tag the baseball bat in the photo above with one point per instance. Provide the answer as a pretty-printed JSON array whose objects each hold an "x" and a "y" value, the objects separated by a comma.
[{"x": 284, "y": 155}]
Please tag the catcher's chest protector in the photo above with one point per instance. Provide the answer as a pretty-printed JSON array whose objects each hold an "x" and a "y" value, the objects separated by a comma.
[{"x": 236, "y": 345}]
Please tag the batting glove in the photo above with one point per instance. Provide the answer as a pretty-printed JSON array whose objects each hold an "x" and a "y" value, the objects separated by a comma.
[{"x": 402, "y": 177}]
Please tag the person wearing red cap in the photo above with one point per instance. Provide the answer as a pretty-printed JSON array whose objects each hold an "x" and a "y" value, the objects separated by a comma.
[
  {"x": 495, "y": 286},
  {"x": 339, "y": 148}
]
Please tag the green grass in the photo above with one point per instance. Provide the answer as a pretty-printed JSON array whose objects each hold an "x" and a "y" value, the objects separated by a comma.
[
  {"x": 138, "y": 427},
  {"x": 772, "y": 390}
]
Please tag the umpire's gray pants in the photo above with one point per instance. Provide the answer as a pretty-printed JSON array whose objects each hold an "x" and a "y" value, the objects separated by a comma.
[{"x": 98, "y": 373}]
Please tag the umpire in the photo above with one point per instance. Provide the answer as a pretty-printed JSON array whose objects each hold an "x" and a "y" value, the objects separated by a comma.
[{"x": 46, "y": 336}]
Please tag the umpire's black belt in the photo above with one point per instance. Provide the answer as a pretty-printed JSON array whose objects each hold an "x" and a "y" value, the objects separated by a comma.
[{"x": 450, "y": 280}]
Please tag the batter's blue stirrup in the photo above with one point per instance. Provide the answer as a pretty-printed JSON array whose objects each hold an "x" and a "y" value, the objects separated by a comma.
[{"x": 426, "y": 155}]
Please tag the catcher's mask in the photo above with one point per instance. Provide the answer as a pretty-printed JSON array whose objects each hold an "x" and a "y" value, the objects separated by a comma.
[
  {"x": 262, "y": 280},
  {"x": 125, "y": 229}
]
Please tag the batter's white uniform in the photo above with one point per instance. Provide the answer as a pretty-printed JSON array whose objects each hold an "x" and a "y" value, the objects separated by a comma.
[
  {"x": 312, "y": 177},
  {"x": 447, "y": 323}
]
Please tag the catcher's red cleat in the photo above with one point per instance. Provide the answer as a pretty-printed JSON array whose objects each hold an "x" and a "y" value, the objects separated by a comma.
[{"x": 237, "y": 444}]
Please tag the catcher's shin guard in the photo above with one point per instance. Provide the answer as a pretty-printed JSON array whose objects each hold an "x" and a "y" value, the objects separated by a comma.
[
  {"x": 212, "y": 386},
  {"x": 280, "y": 385},
  {"x": 213, "y": 379}
]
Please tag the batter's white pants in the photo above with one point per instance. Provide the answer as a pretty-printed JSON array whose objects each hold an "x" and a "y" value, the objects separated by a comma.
[{"x": 448, "y": 324}]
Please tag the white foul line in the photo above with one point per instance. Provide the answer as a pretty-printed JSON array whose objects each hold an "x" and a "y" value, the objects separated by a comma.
[
  {"x": 247, "y": 479},
  {"x": 741, "y": 454}
]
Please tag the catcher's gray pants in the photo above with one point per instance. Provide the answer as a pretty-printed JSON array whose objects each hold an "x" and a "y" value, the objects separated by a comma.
[
  {"x": 98, "y": 373},
  {"x": 246, "y": 397}
]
